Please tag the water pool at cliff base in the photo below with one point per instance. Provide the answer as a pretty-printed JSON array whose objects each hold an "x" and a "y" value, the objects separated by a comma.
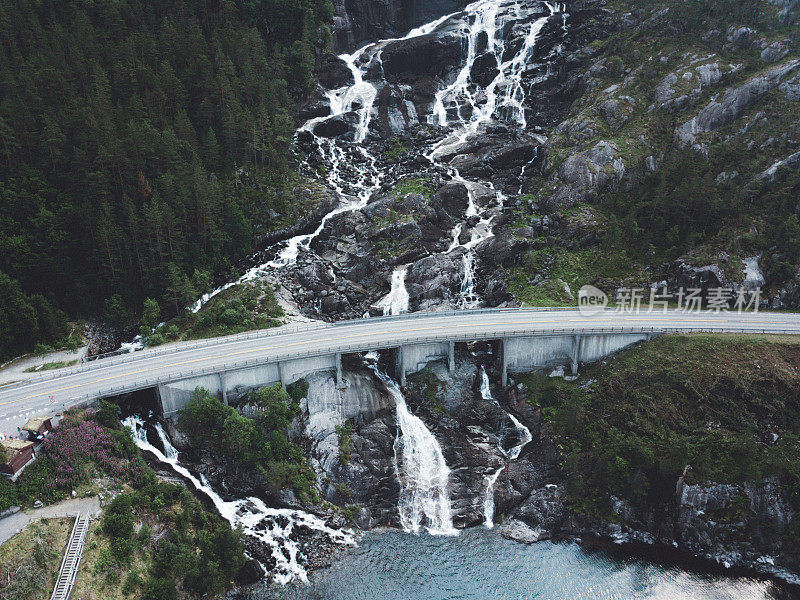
[{"x": 480, "y": 564}]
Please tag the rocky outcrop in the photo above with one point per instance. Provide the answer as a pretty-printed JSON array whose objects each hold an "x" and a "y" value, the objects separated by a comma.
[
  {"x": 733, "y": 104},
  {"x": 776, "y": 173},
  {"x": 585, "y": 174},
  {"x": 359, "y": 21},
  {"x": 678, "y": 91}
]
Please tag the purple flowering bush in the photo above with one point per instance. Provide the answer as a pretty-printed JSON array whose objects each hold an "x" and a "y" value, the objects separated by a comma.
[
  {"x": 76, "y": 445},
  {"x": 76, "y": 450}
]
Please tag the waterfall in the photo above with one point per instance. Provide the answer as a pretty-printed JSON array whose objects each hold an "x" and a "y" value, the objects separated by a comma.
[
  {"x": 358, "y": 97},
  {"x": 396, "y": 301},
  {"x": 488, "y": 502},
  {"x": 422, "y": 471},
  {"x": 467, "y": 106},
  {"x": 512, "y": 454},
  {"x": 273, "y": 527},
  {"x": 469, "y": 295},
  {"x": 462, "y": 106},
  {"x": 504, "y": 96}
]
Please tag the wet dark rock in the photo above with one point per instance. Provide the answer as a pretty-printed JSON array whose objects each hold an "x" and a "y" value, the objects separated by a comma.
[
  {"x": 358, "y": 21},
  {"x": 316, "y": 106},
  {"x": 544, "y": 512},
  {"x": 503, "y": 249},
  {"x": 434, "y": 281},
  {"x": 252, "y": 572},
  {"x": 452, "y": 198},
  {"x": 333, "y": 72},
  {"x": 430, "y": 55},
  {"x": 333, "y": 127},
  {"x": 484, "y": 69},
  {"x": 496, "y": 291}
]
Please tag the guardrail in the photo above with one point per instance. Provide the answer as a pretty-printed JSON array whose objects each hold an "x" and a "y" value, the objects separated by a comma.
[
  {"x": 450, "y": 336},
  {"x": 138, "y": 355},
  {"x": 115, "y": 358}
]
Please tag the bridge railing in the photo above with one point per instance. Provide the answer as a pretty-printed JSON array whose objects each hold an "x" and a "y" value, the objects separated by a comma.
[
  {"x": 377, "y": 345},
  {"x": 131, "y": 357},
  {"x": 115, "y": 358}
]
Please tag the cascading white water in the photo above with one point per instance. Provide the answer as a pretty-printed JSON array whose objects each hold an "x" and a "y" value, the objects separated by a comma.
[
  {"x": 359, "y": 98},
  {"x": 469, "y": 295},
  {"x": 396, "y": 301},
  {"x": 488, "y": 501},
  {"x": 467, "y": 106},
  {"x": 504, "y": 96},
  {"x": 255, "y": 518},
  {"x": 423, "y": 473},
  {"x": 524, "y": 437},
  {"x": 463, "y": 106}
]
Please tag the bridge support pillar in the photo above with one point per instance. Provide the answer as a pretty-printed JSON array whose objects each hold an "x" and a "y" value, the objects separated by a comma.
[
  {"x": 400, "y": 367},
  {"x": 223, "y": 388},
  {"x": 451, "y": 356},
  {"x": 282, "y": 374},
  {"x": 503, "y": 363},
  {"x": 338, "y": 369},
  {"x": 576, "y": 354}
]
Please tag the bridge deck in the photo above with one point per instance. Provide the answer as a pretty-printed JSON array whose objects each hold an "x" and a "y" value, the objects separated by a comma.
[{"x": 184, "y": 360}]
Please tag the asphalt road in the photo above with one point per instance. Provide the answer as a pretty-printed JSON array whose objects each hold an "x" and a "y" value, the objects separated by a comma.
[{"x": 56, "y": 390}]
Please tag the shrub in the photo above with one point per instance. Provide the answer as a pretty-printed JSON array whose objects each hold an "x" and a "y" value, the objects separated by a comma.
[
  {"x": 132, "y": 582},
  {"x": 156, "y": 339},
  {"x": 298, "y": 390},
  {"x": 345, "y": 441},
  {"x": 108, "y": 415},
  {"x": 41, "y": 349},
  {"x": 160, "y": 589},
  {"x": 261, "y": 443}
]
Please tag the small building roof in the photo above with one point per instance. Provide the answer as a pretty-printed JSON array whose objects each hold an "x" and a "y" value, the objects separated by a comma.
[
  {"x": 15, "y": 444},
  {"x": 35, "y": 423}
]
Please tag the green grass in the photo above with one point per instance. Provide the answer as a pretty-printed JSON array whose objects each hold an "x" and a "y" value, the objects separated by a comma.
[
  {"x": 52, "y": 365},
  {"x": 244, "y": 307},
  {"x": 576, "y": 268},
  {"x": 30, "y": 560},
  {"x": 419, "y": 185},
  {"x": 397, "y": 149},
  {"x": 709, "y": 401},
  {"x": 343, "y": 435}
]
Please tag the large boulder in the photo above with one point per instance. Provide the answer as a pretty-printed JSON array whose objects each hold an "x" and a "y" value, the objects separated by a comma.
[
  {"x": 435, "y": 281},
  {"x": 333, "y": 72},
  {"x": 432, "y": 55}
]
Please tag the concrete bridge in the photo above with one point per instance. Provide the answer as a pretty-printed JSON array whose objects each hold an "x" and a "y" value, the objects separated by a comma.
[{"x": 525, "y": 339}]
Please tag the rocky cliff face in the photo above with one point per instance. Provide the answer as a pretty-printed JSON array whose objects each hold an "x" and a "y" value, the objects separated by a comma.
[
  {"x": 492, "y": 171},
  {"x": 358, "y": 21}
]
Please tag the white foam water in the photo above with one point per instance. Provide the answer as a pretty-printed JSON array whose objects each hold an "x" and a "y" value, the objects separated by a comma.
[
  {"x": 423, "y": 473},
  {"x": 467, "y": 107},
  {"x": 524, "y": 437},
  {"x": 256, "y": 519},
  {"x": 461, "y": 106},
  {"x": 396, "y": 301}
]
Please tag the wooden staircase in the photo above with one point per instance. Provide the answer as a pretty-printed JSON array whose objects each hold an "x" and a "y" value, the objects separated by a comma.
[{"x": 72, "y": 558}]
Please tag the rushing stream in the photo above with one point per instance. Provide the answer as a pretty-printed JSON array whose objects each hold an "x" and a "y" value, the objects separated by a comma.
[
  {"x": 524, "y": 435},
  {"x": 272, "y": 526},
  {"x": 424, "y": 476},
  {"x": 461, "y": 108}
]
